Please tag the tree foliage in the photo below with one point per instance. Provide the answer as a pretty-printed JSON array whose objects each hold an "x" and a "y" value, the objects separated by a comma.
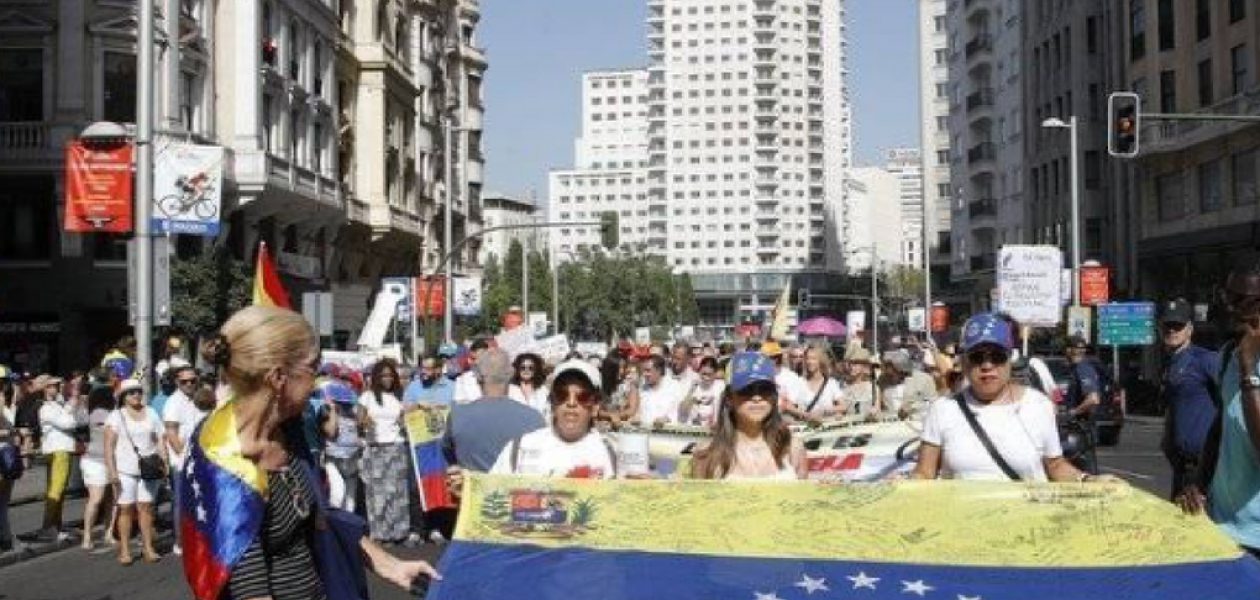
[
  {"x": 600, "y": 294},
  {"x": 206, "y": 289}
]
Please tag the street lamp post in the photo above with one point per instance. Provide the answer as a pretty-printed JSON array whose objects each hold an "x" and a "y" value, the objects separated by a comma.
[{"x": 1074, "y": 168}]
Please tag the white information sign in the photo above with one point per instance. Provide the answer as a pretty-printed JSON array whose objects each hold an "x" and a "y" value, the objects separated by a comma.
[
  {"x": 854, "y": 322},
  {"x": 917, "y": 318},
  {"x": 1030, "y": 283}
]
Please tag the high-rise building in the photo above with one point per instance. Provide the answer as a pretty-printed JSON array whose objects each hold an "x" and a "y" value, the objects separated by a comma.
[
  {"x": 986, "y": 128},
  {"x": 1193, "y": 193},
  {"x": 609, "y": 171},
  {"x": 934, "y": 144},
  {"x": 499, "y": 210},
  {"x": 874, "y": 203},
  {"x": 906, "y": 166},
  {"x": 747, "y": 146}
]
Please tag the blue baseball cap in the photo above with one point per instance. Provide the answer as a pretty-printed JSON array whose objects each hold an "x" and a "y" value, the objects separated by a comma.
[
  {"x": 448, "y": 350},
  {"x": 748, "y": 368},
  {"x": 336, "y": 391},
  {"x": 987, "y": 328}
]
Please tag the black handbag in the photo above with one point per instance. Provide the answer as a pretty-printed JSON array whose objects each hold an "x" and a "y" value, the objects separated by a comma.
[{"x": 152, "y": 467}]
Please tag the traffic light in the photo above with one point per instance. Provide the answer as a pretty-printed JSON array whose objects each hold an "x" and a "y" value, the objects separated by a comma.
[
  {"x": 1124, "y": 118},
  {"x": 802, "y": 298},
  {"x": 609, "y": 233}
]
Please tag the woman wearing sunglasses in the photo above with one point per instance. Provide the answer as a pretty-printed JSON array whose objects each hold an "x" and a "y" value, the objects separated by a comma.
[
  {"x": 751, "y": 440},
  {"x": 529, "y": 383},
  {"x": 570, "y": 446},
  {"x": 993, "y": 430}
]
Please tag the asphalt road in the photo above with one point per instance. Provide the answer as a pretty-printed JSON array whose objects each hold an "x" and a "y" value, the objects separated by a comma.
[{"x": 75, "y": 575}]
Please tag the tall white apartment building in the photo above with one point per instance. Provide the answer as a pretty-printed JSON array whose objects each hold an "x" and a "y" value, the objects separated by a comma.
[
  {"x": 743, "y": 130},
  {"x": 986, "y": 136},
  {"x": 609, "y": 172},
  {"x": 934, "y": 139},
  {"x": 905, "y": 165}
]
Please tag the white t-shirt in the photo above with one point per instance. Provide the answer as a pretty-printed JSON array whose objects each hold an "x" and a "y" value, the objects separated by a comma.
[
  {"x": 467, "y": 388},
  {"x": 685, "y": 380},
  {"x": 181, "y": 411},
  {"x": 144, "y": 434},
  {"x": 386, "y": 417},
  {"x": 792, "y": 388},
  {"x": 829, "y": 396},
  {"x": 660, "y": 402},
  {"x": 539, "y": 400},
  {"x": 705, "y": 402},
  {"x": 543, "y": 453},
  {"x": 1024, "y": 433}
]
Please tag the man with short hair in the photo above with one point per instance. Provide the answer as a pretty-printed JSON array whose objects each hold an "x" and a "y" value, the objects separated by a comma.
[
  {"x": 1188, "y": 386},
  {"x": 429, "y": 389},
  {"x": 793, "y": 391},
  {"x": 660, "y": 398},
  {"x": 906, "y": 391},
  {"x": 476, "y": 432},
  {"x": 467, "y": 388},
  {"x": 680, "y": 371},
  {"x": 181, "y": 417},
  {"x": 1089, "y": 378}
]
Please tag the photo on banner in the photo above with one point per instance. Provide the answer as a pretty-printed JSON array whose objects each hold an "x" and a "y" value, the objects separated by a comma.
[{"x": 188, "y": 189}]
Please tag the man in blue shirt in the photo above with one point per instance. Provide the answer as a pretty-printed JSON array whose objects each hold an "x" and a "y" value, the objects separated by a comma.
[
  {"x": 430, "y": 389},
  {"x": 1088, "y": 384},
  {"x": 1188, "y": 385}
]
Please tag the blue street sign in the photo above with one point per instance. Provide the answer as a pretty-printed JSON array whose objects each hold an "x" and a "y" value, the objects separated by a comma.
[{"x": 1126, "y": 324}]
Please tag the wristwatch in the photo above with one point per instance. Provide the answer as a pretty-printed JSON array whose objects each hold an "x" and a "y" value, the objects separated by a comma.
[{"x": 1249, "y": 382}]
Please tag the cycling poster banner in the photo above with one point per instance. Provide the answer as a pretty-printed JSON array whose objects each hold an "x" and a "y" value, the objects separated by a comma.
[{"x": 188, "y": 189}]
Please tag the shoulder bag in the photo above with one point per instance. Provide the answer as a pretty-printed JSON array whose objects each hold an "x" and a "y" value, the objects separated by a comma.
[
  {"x": 984, "y": 439},
  {"x": 152, "y": 467}
]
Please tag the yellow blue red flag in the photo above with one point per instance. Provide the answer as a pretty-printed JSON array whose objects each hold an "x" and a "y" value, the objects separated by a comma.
[
  {"x": 221, "y": 502},
  {"x": 662, "y": 540}
]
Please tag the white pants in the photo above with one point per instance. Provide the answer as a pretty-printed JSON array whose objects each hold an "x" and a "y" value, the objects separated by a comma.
[{"x": 132, "y": 489}]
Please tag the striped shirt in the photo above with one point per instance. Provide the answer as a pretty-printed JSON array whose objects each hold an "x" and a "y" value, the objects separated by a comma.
[{"x": 279, "y": 564}]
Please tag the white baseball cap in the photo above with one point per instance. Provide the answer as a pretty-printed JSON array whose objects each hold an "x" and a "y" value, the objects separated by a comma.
[{"x": 586, "y": 369}]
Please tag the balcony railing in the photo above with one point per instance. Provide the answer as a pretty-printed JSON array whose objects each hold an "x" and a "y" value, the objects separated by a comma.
[
  {"x": 981, "y": 152},
  {"x": 986, "y": 262},
  {"x": 982, "y": 98},
  {"x": 978, "y": 44},
  {"x": 982, "y": 208}
]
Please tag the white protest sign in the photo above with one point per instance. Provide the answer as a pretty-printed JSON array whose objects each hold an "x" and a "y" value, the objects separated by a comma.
[
  {"x": 515, "y": 341},
  {"x": 552, "y": 349},
  {"x": 592, "y": 348},
  {"x": 642, "y": 335},
  {"x": 917, "y": 318},
  {"x": 1029, "y": 284},
  {"x": 854, "y": 322}
]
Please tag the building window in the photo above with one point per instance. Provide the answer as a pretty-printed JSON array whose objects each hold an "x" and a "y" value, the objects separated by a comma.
[
  {"x": 1091, "y": 35},
  {"x": 27, "y": 220},
  {"x": 1206, "y": 97},
  {"x": 1137, "y": 29},
  {"x": 1170, "y": 190},
  {"x": 1243, "y": 170},
  {"x": 21, "y": 85},
  {"x": 1237, "y": 10},
  {"x": 1168, "y": 91},
  {"x": 188, "y": 95},
  {"x": 119, "y": 83},
  {"x": 1239, "y": 68},
  {"x": 1203, "y": 19},
  {"x": 1167, "y": 25},
  {"x": 268, "y": 123},
  {"x": 1211, "y": 187}
]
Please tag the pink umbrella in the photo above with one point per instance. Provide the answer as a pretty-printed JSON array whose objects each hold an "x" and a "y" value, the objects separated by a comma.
[{"x": 821, "y": 326}]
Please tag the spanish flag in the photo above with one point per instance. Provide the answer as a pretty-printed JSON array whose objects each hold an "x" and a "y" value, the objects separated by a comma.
[{"x": 268, "y": 290}]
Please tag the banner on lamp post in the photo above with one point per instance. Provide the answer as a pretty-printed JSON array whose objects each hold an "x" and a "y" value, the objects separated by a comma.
[
  {"x": 187, "y": 189},
  {"x": 1095, "y": 285},
  {"x": 940, "y": 318},
  {"x": 98, "y": 187},
  {"x": 430, "y": 297},
  {"x": 467, "y": 292}
]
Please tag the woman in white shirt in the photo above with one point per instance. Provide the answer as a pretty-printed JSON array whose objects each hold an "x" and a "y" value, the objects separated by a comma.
[
  {"x": 702, "y": 403},
  {"x": 1020, "y": 422},
  {"x": 751, "y": 440},
  {"x": 529, "y": 383},
  {"x": 101, "y": 404},
  {"x": 822, "y": 398},
  {"x": 384, "y": 467},
  {"x": 131, "y": 432},
  {"x": 570, "y": 446}
]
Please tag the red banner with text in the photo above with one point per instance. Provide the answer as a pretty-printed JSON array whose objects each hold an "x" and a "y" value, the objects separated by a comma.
[
  {"x": 98, "y": 187},
  {"x": 1095, "y": 286},
  {"x": 430, "y": 297}
]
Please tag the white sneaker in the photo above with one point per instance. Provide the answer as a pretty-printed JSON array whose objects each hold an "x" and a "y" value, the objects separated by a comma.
[
  {"x": 177, "y": 551},
  {"x": 436, "y": 537}
]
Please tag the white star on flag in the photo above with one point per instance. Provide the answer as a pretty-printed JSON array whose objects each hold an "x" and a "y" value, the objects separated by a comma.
[
  {"x": 962, "y": 597},
  {"x": 201, "y": 513},
  {"x": 862, "y": 581},
  {"x": 916, "y": 587},
  {"x": 811, "y": 585},
  {"x": 770, "y": 596}
]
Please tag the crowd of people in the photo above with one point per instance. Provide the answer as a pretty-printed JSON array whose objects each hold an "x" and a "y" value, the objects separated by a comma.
[{"x": 985, "y": 414}]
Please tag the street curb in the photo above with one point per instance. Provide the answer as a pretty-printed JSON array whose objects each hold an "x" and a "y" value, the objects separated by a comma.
[{"x": 33, "y": 551}]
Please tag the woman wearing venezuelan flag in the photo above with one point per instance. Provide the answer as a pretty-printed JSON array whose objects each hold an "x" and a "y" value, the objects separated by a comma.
[{"x": 256, "y": 524}]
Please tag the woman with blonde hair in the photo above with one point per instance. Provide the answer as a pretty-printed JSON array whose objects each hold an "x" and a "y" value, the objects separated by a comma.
[{"x": 256, "y": 523}]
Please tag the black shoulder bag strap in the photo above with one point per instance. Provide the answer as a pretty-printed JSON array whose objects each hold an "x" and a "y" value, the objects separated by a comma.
[
  {"x": 817, "y": 396},
  {"x": 984, "y": 439}
]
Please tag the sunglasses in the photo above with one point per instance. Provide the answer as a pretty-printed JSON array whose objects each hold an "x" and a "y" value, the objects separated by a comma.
[
  {"x": 989, "y": 356},
  {"x": 525, "y": 367},
  {"x": 187, "y": 381},
  {"x": 586, "y": 400},
  {"x": 762, "y": 390},
  {"x": 1173, "y": 326}
]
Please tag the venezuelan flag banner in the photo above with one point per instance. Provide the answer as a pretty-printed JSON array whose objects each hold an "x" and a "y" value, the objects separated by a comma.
[
  {"x": 268, "y": 289},
  {"x": 661, "y": 540},
  {"x": 424, "y": 436},
  {"x": 221, "y": 502}
]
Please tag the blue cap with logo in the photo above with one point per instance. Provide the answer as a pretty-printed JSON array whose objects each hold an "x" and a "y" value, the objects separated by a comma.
[
  {"x": 987, "y": 328},
  {"x": 748, "y": 368}
]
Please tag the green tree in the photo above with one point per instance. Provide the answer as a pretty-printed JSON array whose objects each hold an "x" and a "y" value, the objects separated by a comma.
[{"x": 206, "y": 289}]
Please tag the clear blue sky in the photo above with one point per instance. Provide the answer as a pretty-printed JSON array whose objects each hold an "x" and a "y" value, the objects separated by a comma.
[{"x": 538, "y": 50}]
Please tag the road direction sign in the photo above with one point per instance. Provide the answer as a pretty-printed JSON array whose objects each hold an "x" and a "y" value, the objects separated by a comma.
[{"x": 1126, "y": 324}]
